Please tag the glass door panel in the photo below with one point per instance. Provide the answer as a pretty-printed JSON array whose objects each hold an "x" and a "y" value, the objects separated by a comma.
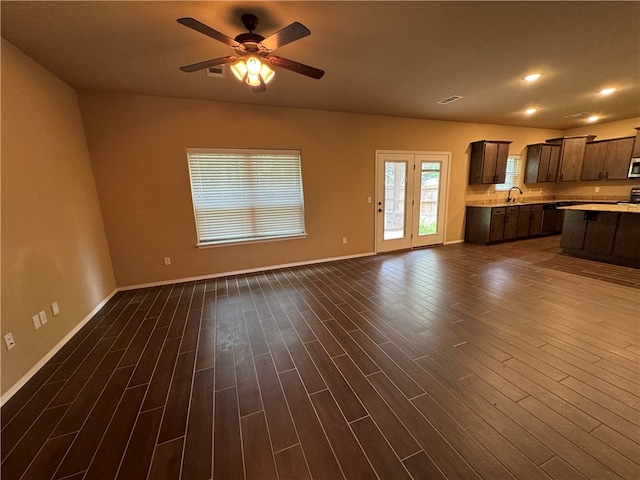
[
  {"x": 395, "y": 199},
  {"x": 429, "y": 198},
  {"x": 394, "y": 191}
]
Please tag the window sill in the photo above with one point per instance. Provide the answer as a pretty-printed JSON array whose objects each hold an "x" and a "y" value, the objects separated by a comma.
[{"x": 231, "y": 243}]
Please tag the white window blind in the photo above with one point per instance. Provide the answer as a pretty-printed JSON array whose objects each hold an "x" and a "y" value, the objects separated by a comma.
[
  {"x": 513, "y": 171},
  {"x": 246, "y": 195}
]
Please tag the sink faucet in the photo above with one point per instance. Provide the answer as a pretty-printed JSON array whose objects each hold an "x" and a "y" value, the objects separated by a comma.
[{"x": 509, "y": 199}]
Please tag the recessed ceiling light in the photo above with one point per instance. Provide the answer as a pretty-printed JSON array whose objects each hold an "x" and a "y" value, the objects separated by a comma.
[
  {"x": 532, "y": 77},
  {"x": 593, "y": 118},
  {"x": 530, "y": 111},
  {"x": 607, "y": 91}
]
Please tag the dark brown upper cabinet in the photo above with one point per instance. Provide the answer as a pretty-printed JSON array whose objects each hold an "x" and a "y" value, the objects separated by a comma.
[
  {"x": 571, "y": 156},
  {"x": 542, "y": 163},
  {"x": 488, "y": 162},
  {"x": 607, "y": 159},
  {"x": 636, "y": 145}
]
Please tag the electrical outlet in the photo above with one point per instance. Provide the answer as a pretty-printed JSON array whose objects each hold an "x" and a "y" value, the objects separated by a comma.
[
  {"x": 167, "y": 260},
  {"x": 36, "y": 321},
  {"x": 344, "y": 240},
  {"x": 8, "y": 339},
  {"x": 55, "y": 309},
  {"x": 597, "y": 189},
  {"x": 43, "y": 317}
]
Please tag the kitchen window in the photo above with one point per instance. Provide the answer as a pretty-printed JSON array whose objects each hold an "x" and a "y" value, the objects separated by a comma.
[
  {"x": 512, "y": 175},
  {"x": 246, "y": 195}
]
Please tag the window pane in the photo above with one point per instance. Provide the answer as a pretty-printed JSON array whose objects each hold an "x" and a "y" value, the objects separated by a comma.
[
  {"x": 244, "y": 195},
  {"x": 511, "y": 178},
  {"x": 429, "y": 194}
]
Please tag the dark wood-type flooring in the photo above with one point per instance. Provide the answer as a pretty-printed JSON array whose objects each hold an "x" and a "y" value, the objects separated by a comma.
[{"x": 456, "y": 362}]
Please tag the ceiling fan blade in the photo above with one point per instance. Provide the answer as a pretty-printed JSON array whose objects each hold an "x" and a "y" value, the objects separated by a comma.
[
  {"x": 208, "y": 31},
  {"x": 209, "y": 63},
  {"x": 288, "y": 34},
  {"x": 296, "y": 67}
]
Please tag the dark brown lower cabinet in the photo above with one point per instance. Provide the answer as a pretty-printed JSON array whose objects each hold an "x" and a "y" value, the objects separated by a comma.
[
  {"x": 559, "y": 221},
  {"x": 589, "y": 231},
  {"x": 535, "y": 222},
  {"x": 484, "y": 224},
  {"x": 510, "y": 223},
  {"x": 549, "y": 217},
  {"x": 600, "y": 232},
  {"x": 496, "y": 230},
  {"x": 487, "y": 224},
  {"x": 573, "y": 230},
  {"x": 605, "y": 236},
  {"x": 524, "y": 219},
  {"x": 627, "y": 241}
]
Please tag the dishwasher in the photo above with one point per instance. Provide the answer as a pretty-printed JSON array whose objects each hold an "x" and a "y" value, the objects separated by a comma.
[{"x": 549, "y": 219}]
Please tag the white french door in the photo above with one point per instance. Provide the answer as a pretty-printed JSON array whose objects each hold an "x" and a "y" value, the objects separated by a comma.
[{"x": 411, "y": 195}]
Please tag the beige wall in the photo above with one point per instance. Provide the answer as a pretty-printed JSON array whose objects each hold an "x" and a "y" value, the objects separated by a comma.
[
  {"x": 137, "y": 146},
  {"x": 53, "y": 240}
]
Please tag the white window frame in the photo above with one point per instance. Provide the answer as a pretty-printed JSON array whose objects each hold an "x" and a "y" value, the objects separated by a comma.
[
  {"x": 512, "y": 178},
  {"x": 235, "y": 194}
]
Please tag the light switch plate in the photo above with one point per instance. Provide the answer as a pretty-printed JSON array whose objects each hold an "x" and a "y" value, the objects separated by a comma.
[
  {"x": 36, "y": 321},
  {"x": 55, "y": 309},
  {"x": 43, "y": 317}
]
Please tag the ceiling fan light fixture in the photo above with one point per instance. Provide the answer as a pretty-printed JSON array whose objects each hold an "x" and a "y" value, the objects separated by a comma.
[
  {"x": 239, "y": 70},
  {"x": 253, "y": 80},
  {"x": 267, "y": 73},
  {"x": 252, "y": 71},
  {"x": 254, "y": 65}
]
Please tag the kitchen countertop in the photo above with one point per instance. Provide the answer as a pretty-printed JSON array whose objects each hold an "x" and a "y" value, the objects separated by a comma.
[
  {"x": 600, "y": 207},
  {"x": 514, "y": 204}
]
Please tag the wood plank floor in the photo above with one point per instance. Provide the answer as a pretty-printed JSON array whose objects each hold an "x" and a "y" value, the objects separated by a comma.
[{"x": 458, "y": 362}]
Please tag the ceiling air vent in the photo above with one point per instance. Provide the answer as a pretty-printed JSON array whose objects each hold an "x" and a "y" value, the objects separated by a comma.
[
  {"x": 218, "y": 71},
  {"x": 577, "y": 115},
  {"x": 450, "y": 99}
]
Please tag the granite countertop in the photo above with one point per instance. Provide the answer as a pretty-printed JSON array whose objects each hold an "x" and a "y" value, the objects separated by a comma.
[
  {"x": 514, "y": 204},
  {"x": 542, "y": 202},
  {"x": 599, "y": 207}
]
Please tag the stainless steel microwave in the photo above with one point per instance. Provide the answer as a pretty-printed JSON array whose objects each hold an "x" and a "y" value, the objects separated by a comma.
[{"x": 634, "y": 168}]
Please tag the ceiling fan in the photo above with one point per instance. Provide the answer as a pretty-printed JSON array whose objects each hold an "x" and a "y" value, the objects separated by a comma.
[{"x": 253, "y": 52}]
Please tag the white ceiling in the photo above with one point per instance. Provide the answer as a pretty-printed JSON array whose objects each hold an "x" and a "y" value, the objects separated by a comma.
[{"x": 387, "y": 58}]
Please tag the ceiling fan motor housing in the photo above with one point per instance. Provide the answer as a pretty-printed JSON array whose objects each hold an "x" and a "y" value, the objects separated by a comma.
[
  {"x": 249, "y": 38},
  {"x": 250, "y": 21}
]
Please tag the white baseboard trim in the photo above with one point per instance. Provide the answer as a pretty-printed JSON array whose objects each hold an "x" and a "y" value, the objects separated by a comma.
[
  {"x": 453, "y": 242},
  {"x": 20, "y": 383},
  {"x": 241, "y": 272}
]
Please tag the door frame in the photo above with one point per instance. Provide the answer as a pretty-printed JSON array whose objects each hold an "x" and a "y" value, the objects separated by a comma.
[{"x": 445, "y": 187}]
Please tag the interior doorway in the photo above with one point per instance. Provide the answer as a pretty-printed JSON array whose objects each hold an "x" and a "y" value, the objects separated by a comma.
[{"x": 411, "y": 199}]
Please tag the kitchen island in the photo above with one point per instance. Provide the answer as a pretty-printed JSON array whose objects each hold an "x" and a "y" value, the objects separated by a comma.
[{"x": 607, "y": 233}]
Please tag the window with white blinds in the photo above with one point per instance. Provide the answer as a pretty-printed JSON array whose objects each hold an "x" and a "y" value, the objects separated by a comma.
[
  {"x": 246, "y": 195},
  {"x": 512, "y": 174}
]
